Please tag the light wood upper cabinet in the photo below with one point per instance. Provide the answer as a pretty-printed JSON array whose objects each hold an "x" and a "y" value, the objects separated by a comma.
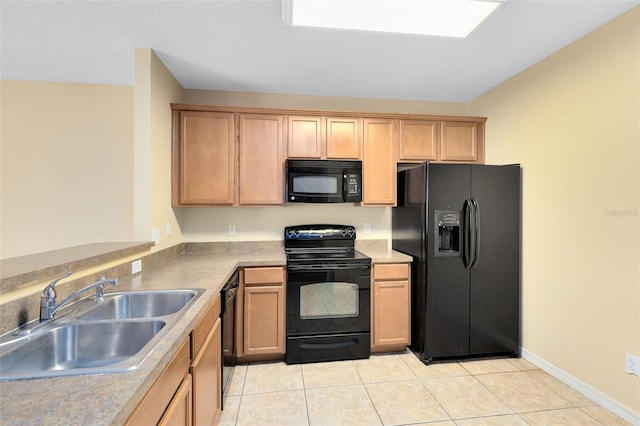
[
  {"x": 320, "y": 137},
  {"x": 418, "y": 140},
  {"x": 305, "y": 137},
  {"x": 264, "y": 311},
  {"x": 459, "y": 141},
  {"x": 391, "y": 307},
  {"x": 379, "y": 162},
  {"x": 235, "y": 156},
  {"x": 261, "y": 166},
  {"x": 204, "y": 166},
  {"x": 344, "y": 138}
]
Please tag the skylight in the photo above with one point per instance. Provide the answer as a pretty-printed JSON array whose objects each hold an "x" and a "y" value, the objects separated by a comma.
[{"x": 446, "y": 18}]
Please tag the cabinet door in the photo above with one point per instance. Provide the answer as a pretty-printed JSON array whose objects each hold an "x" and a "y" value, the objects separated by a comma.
[
  {"x": 206, "y": 370},
  {"x": 344, "y": 138},
  {"x": 379, "y": 162},
  {"x": 180, "y": 410},
  {"x": 206, "y": 158},
  {"x": 160, "y": 396},
  {"x": 418, "y": 140},
  {"x": 261, "y": 165},
  {"x": 390, "y": 313},
  {"x": 264, "y": 320},
  {"x": 305, "y": 137},
  {"x": 458, "y": 141}
]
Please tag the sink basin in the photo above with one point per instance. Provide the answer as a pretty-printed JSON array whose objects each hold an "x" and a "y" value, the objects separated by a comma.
[
  {"x": 80, "y": 348},
  {"x": 91, "y": 337},
  {"x": 139, "y": 304}
]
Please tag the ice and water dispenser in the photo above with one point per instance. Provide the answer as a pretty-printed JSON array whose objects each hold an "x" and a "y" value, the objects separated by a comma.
[{"x": 449, "y": 234}]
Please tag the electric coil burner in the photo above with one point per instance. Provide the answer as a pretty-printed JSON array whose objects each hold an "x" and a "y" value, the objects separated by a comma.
[{"x": 328, "y": 294}]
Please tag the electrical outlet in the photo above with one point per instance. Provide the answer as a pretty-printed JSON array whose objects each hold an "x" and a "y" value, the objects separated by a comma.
[
  {"x": 367, "y": 228},
  {"x": 169, "y": 229},
  {"x": 136, "y": 266},
  {"x": 632, "y": 364},
  {"x": 156, "y": 236},
  {"x": 232, "y": 230}
]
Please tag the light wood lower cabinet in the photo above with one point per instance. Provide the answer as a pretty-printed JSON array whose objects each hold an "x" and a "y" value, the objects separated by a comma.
[
  {"x": 188, "y": 391},
  {"x": 391, "y": 307},
  {"x": 161, "y": 394},
  {"x": 263, "y": 313},
  {"x": 207, "y": 380},
  {"x": 180, "y": 411}
]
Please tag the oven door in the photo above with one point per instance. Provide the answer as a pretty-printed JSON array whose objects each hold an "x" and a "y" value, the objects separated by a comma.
[{"x": 330, "y": 299}]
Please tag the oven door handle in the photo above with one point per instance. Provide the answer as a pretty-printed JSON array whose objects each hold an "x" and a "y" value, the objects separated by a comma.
[
  {"x": 325, "y": 267},
  {"x": 337, "y": 345}
]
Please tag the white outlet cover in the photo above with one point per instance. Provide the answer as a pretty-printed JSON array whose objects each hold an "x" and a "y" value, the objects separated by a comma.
[
  {"x": 169, "y": 229},
  {"x": 367, "y": 228},
  {"x": 156, "y": 236},
  {"x": 136, "y": 266},
  {"x": 232, "y": 230}
]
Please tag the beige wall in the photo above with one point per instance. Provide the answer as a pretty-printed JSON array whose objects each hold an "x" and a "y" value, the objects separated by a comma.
[
  {"x": 155, "y": 89},
  {"x": 67, "y": 161},
  {"x": 573, "y": 122},
  {"x": 267, "y": 223}
]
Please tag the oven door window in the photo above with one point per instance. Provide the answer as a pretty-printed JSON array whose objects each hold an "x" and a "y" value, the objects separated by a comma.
[{"x": 329, "y": 300}]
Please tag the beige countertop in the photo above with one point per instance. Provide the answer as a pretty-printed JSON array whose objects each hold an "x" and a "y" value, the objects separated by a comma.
[{"x": 109, "y": 399}]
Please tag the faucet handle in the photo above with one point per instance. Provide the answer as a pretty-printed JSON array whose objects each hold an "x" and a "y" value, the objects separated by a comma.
[{"x": 49, "y": 291}]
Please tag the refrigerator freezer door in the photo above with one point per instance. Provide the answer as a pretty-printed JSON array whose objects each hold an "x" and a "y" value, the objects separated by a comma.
[{"x": 447, "y": 283}]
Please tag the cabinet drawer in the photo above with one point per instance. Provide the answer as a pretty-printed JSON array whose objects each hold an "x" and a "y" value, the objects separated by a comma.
[
  {"x": 201, "y": 331},
  {"x": 274, "y": 275},
  {"x": 391, "y": 271}
]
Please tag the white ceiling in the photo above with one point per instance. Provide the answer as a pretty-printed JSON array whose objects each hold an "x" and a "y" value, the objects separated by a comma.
[{"x": 243, "y": 45}]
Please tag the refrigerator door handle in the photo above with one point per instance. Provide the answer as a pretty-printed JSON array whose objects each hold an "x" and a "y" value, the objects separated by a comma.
[
  {"x": 467, "y": 241},
  {"x": 476, "y": 233}
]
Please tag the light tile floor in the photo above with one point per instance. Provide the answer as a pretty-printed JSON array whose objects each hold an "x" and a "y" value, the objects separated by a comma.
[{"x": 397, "y": 389}]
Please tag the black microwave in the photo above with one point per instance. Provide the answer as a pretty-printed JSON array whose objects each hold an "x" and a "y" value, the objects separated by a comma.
[{"x": 324, "y": 181}]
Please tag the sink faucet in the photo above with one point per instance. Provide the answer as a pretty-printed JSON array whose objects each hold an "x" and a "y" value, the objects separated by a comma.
[{"x": 48, "y": 306}]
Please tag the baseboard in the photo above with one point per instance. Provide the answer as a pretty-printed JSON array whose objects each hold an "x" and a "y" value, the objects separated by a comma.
[{"x": 587, "y": 390}]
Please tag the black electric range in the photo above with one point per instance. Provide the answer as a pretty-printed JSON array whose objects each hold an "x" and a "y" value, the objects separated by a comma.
[{"x": 328, "y": 294}]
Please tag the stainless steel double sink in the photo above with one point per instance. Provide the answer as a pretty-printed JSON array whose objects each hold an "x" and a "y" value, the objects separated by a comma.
[{"x": 91, "y": 337}]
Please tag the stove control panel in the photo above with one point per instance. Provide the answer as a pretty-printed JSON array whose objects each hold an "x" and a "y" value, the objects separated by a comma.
[{"x": 317, "y": 232}]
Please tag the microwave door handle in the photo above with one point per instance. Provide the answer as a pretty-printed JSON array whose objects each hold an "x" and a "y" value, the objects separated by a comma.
[{"x": 344, "y": 187}]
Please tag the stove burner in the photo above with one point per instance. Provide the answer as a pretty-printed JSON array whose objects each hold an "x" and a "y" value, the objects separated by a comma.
[{"x": 320, "y": 244}]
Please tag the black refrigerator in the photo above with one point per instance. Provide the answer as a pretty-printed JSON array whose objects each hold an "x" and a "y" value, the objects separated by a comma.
[{"x": 461, "y": 225}]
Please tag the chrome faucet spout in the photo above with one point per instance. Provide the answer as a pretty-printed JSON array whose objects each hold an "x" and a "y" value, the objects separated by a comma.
[{"x": 48, "y": 306}]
